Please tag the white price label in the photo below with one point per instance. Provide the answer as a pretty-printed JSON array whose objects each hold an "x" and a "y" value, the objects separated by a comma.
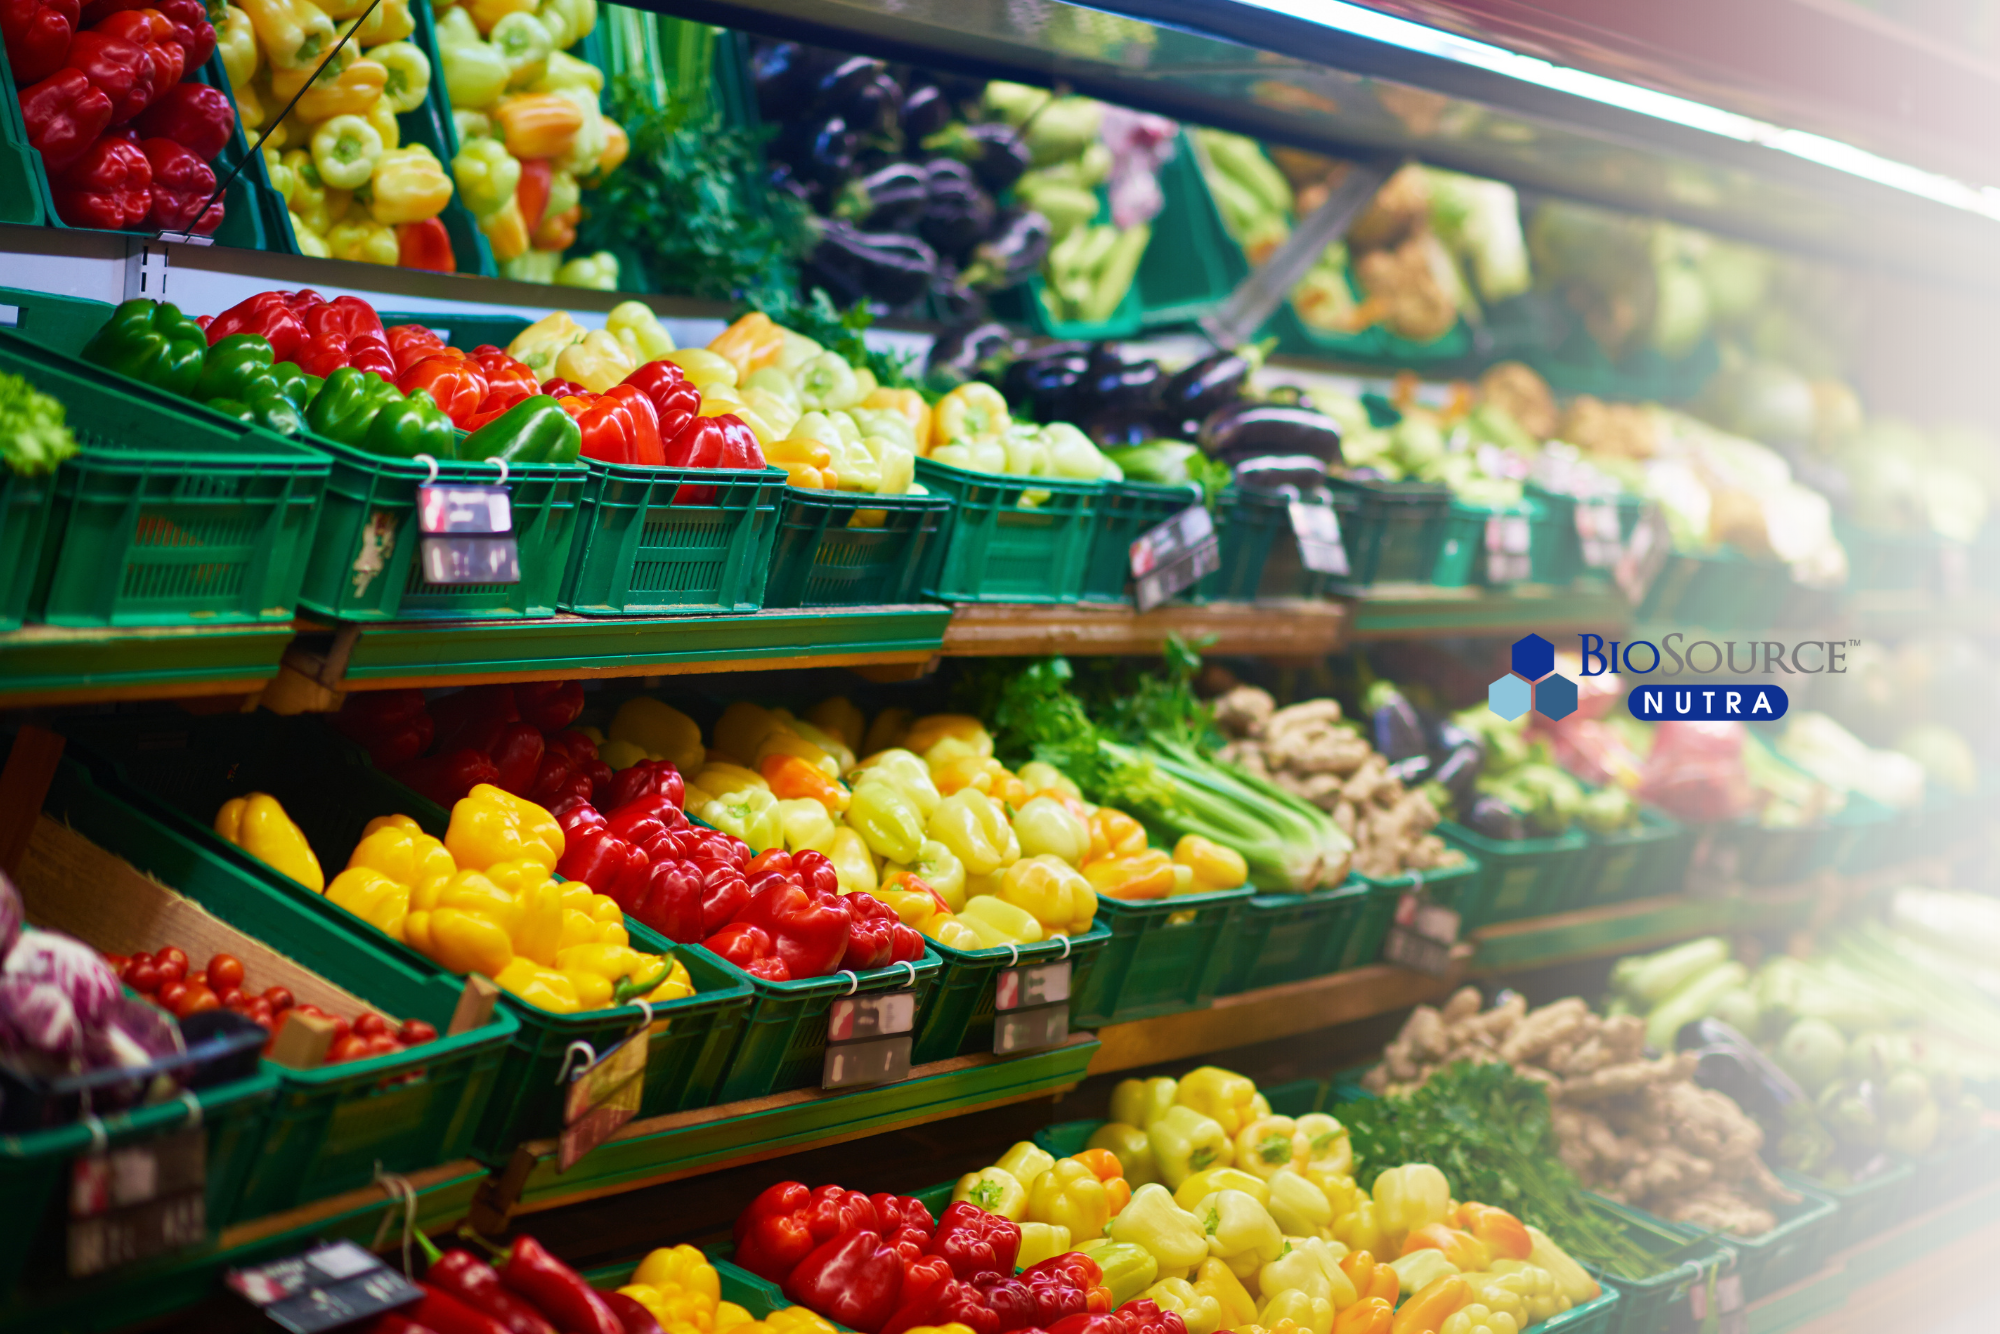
[
  {"x": 470, "y": 560},
  {"x": 1599, "y": 534},
  {"x": 1422, "y": 935},
  {"x": 457, "y": 510},
  {"x": 1507, "y": 549},
  {"x": 602, "y": 1097},
  {"x": 1317, "y": 529},
  {"x": 1173, "y": 554},
  {"x": 329, "y": 1287},
  {"x": 1031, "y": 1008},
  {"x": 137, "y": 1201},
  {"x": 868, "y": 1039}
]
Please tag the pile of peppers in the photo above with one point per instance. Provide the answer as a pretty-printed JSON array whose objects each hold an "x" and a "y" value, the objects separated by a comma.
[
  {"x": 882, "y": 1264},
  {"x": 528, "y": 1291},
  {"x": 126, "y": 143},
  {"x": 682, "y": 1291}
]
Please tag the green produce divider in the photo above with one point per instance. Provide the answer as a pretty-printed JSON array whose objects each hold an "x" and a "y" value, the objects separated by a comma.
[
  {"x": 1596, "y": 1316},
  {"x": 1633, "y": 863},
  {"x": 1647, "y": 1305},
  {"x": 643, "y": 1152},
  {"x": 22, "y": 175},
  {"x": 1524, "y": 877},
  {"x": 782, "y": 1042},
  {"x": 35, "y": 1174},
  {"x": 1190, "y": 266},
  {"x": 171, "y": 514},
  {"x": 329, "y": 1128},
  {"x": 958, "y": 1014},
  {"x": 1002, "y": 546},
  {"x": 431, "y": 125},
  {"x": 1125, "y": 512},
  {"x": 1164, "y": 956},
  {"x": 1250, "y": 524},
  {"x": 654, "y": 540},
  {"x": 1280, "y": 938},
  {"x": 1396, "y": 531},
  {"x": 1797, "y": 1247},
  {"x": 25, "y": 503},
  {"x": 366, "y": 565},
  {"x": 1868, "y": 1207},
  {"x": 824, "y": 558}
]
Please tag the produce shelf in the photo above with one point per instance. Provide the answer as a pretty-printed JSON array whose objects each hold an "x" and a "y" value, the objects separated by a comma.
[
  {"x": 1286, "y": 629},
  {"x": 51, "y": 664},
  {"x": 685, "y": 1144},
  {"x": 1407, "y": 611}
]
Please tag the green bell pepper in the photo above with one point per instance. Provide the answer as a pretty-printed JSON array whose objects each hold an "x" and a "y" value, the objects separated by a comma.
[
  {"x": 295, "y": 384},
  {"x": 406, "y": 427},
  {"x": 232, "y": 365},
  {"x": 535, "y": 430},
  {"x": 151, "y": 341},
  {"x": 273, "y": 410},
  {"x": 344, "y": 408}
]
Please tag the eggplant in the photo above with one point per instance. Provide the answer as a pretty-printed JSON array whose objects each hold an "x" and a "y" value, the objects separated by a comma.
[
  {"x": 1277, "y": 472},
  {"x": 1121, "y": 426},
  {"x": 1011, "y": 252},
  {"x": 786, "y": 77},
  {"x": 957, "y": 211},
  {"x": 994, "y": 152},
  {"x": 821, "y": 154},
  {"x": 1458, "y": 772},
  {"x": 951, "y": 299},
  {"x": 926, "y": 110},
  {"x": 1493, "y": 818},
  {"x": 843, "y": 89},
  {"x": 876, "y": 108},
  {"x": 854, "y": 265},
  {"x": 1046, "y": 380},
  {"x": 1398, "y": 732},
  {"x": 1242, "y": 429},
  {"x": 1213, "y": 382},
  {"x": 961, "y": 350},
  {"x": 888, "y": 199},
  {"x": 1114, "y": 384}
]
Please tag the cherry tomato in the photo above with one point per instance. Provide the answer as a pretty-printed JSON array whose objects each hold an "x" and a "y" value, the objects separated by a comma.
[
  {"x": 199, "y": 979},
  {"x": 369, "y": 1024},
  {"x": 341, "y": 1028},
  {"x": 139, "y": 958},
  {"x": 382, "y": 1044},
  {"x": 349, "y": 1048},
  {"x": 170, "y": 994},
  {"x": 233, "y": 998},
  {"x": 170, "y": 970},
  {"x": 225, "y": 971},
  {"x": 260, "y": 1010},
  {"x": 280, "y": 998},
  {"x": 143, "y": 977},
  {"x": 175, "y": 953},
  {"x": 117, "y": 962},
  {"x": 195, "y": 1001},
  {"x": 416, "y": 1031}
]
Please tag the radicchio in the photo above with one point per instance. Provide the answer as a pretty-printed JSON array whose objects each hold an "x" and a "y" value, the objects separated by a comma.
[
  {"x": 37, "y": 1019},
  {"x": 77, "y": 970}
]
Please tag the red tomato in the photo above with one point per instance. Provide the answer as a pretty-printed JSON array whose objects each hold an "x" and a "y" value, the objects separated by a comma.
[
  {"x": 349, "y": 1048},
  {"x": 139, "y": 958},
  {"x": 369, "y": 1024},
  {"x": 260, "y": 1010},
  {"x": 174, "y": 953},
  {"x": 143, "y": 977},
  {"x": 280, "y": 998},
  {"x": 416, "y": 1031},
  {"x": 170, "y": 993},
  {"x": 171, "y": 970},
  {"x": 117, "y": 962},
  {"x": 195, "y": 1001},
  {"x": 233, "y": 998},
  {"x": 225, "y": 971},
  {"x": 199, "y": 979},
  {"x": 383, "y": 1045}
]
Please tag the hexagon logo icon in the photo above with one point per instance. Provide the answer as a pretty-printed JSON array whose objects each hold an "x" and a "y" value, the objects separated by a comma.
[{"x": 1533, "y": 684}]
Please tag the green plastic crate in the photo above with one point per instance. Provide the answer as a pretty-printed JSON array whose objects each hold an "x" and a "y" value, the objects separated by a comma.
[
  {"x": 1465, "y": 561},
  {"x": 1250, "y": 524},
  {"x": 1525, "y": 877},
  {"x": 653, "y": 540},
  {"x": 1455, "y": 887},
  {"x": 739, "y": 1285},
  {"x": 1164, "y": 956},
  {"x": 1126, "y": 511},
  {"x": 1799, "y": 1246},
  {"x": 998, "y": 550},
  {"x": 958, "y": 1015},
  {"x": 1284, "y": 574},
  {"x": 1658, "y": 1304},
  {"x": 1633, "y": 863},
  {"x": 214, "y": 527},
  {"x": 329, "y": 1128},
  {"x": 25, "y": 503},
  {"x": 1879, "y": 562},
  {"x": 1596, "y": 1316},
  {"x": 1191, "y": 266},
  {"x": 35, "y": 1172},
  {"x": 60, "y": 323},
  {"x": 1868, "y": 1207},
  {"x": 1279, "y": 938},
  {"x": 783, "y": 1034},
  {"x": 1396, "y": 530},
  {"x": 823, "y": 558},
  {"x": 21, "y": 175},
  {"x": 365, "y": 564}
]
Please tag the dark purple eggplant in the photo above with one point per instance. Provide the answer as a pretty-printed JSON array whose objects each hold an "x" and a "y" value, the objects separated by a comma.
[
  {"x": 842, "y": 88},
  {"x": 1208, "y": 384},
  {"x": 1278, "y": 472},
  {"x": 1458, "y": 771},
  {"x": 1244, "y": 429},
  {"x": 926, "y": 110},
  {"x": 1114, "y": 384},
  {"x": 786, "y": 77},
  {"x": 854, "y": 265},
  {"x": 1121, "y": 426},
  {"x": 958, "y": 213},
  {"x": 1398, "y": 732},
  {"x": 1491, "y": 817},
  {"x": 1011, "y": 252},
  {"x": 961, "y": 350},
  {"x": 1046, "y": 381},
  {"x": 876, "y": 108},
  {"x": 821, "y": 154},
  {"x": 994, "y": 152},
  {"x": 888, "y": 199},
  {"x": 951, "y": 299}
]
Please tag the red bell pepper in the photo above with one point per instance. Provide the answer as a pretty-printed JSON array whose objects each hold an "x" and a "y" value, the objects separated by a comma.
[
  {"x": 411, "y": 343},
  {"x": 445, "y": 1313},
  {"x": 809, "y": 927},
  {"x": 507, "y": 380},
  {"x": 559, "y": 389},
  {"x": 425, "y": 244},
  {"x": 448, "y": 775},
  {"x": 647, "y": 451},
  {"x": 453, "y": 382},
  {"x": 182, "y": 186},
  {"x": 1061, "y": 1286},
  {"x": 37, "y": 34},
  {"x": 153, "y": 33},
  {"x": 549, "y": 705},
  {"x": 517, "y": 754},
  {"x": 786, "y": 1221},
  {"x": 393, "y": 724},
  {"x": 557, "y": 783},
  {"x": 644, "y": 824},
  {"x": 193, "y": 32},
  {"x": 1141, "y": 1315},
  {"x": 195, "y": 116},
  {"x": 110, "y": 186},
  {"x": 64, "y": 114},
  {"x": 739, "y": 444},
  {"x": 117, "y": 67},
  {"x": 477, "y": 1284},
  {"x": 815, "y": 871},
  {"x": 279, "y": 317},
  {"x": 646, "y": 778},
  {"x": 933, "y": 1295},
  {"x": 474, "y": 716},
  {"x": 635, "y": 1318},
  {"x": 853, "y": 1280},
  {"x": 532, "y": 194},
  {"x": 750, "y": 948},
  {"x": 675, "y": 401},
  {"x": 699, "y": 444},
  {"x": 671, "y": 901},
  {"x": 572, "y": 1304},
  {"x": 878, "y": 937},
  {"x": 610, "y": 435},
  {"x": 906, "y": 1223},
  {"x": 1010, "y": 1300},
  {"x": 582, "y": 752},
  {"x": 976, "y": 1242},
  {"x": 344, "y": 332},
  {"x": 602, "y": 860}
]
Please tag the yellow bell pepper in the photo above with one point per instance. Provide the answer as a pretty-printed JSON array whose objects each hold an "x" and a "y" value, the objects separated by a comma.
[
  {"x": 998, "y": 923},
  {"x": 597, "y": 361},
  {"x": 938, "y": 867},
  {"x": 258, "y": 825},
  {"x": 742, "y": 729},
  {"x": 806, "y": 463},
  {"x": 660, "y": 731},
  {"x": 1041, "y": 1241},
  {"x": 1478, "y": 1318},
  {"x": 1209, "y": 1180},
  {"x": 606, "y": 975},
  {"x": 345, "y": 149},
  {"x": 751, "y": 814},
  {"x": 702, "y": 368},
  {"x": 1222, "y": 1095},
  {"x": 373, "y": 897},
  {"x": 489, "y": 825},
  {"x": 475, "y": 75},
  {"x": 910, "y": 406},
  {"x": 1301, "y": 1208},
  {"x": 1241, "y": 1232},
  {"x": 1140, "y": 1102},
  {"x": 852, "y": 865},
  {"x": 1199, "y": 1312},
  {"x": 1506, "y": 1294},
  {"x": 1128, "y": 1268},
  {"x": 236, "y": 41},
  {"x": 538, "y": 125},
  {"x": 1185, "y": 1141},
  {"x": 465, "y": 924},
  {"x": 916, "y": 904},
  {"x": 1144, "y": 875},
  {"x": 1174, "y": 1237},
  {"x": 393, "y": 857},
  {"x": 1269, "y": 1143},
  {"x": 350, "y": 93},
  {"x": 634, "y": 324},
  {"x": 1406, "y": 1198},
  {"x": 882, "y": 811},
  {"x": 1129, "y": 1145},
  {"x": 805, "y": 824},
  {"x": 1214, "y": 1279},
  {"x": 1305, "y": 1313},
  {"x": 544, "y": 988},
  {"x": 1058, "y": 897},
  {"x": 1215, "y": 867},
  {"x": 382, "y": 117},
  {"x": 1357, "y": 1226},
  {"x": 1327, "y": 1146},
  {"x": 409, "y": 185},
  {"x": 1070, "y": 1195},
  {"x": 925, "y": 732},
  {"x": 725, "y": 779},
  {"x": 994, "y": 1189},
  {"x": 976, "y": 830},
  {"x": 974, "y": 413},
  {"x": 1419, "y": 1269},
  {"x": 363, "y": 241},
  {"x": 537, "y": 348},
  {"x": 1047, "y": 825},
  {"x": 1540, "y": 1298},
  {"x": 908, "y": 772},
  {"x": 294, "y": 34}
]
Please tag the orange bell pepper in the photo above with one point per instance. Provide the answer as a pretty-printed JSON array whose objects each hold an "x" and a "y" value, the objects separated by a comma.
[
  {"x": 910, "y": 406},
  {"x": 1114, "y": 834},
  {"x": 558, "y": 230},
  {"x": 538, "y": 125},
  {"x": 1370, "y": 1315},
  {"x": 1370, "y": 1277},
  {"x": 791, "y": 778},
  {"x": 1461, "y": 1248},
  {"x": 752, "y": 342},
  {"x": 1429, "y": 1307},
  {"x": 1498, "y": 1231},
  {"x": 1104, "y": 1165}
]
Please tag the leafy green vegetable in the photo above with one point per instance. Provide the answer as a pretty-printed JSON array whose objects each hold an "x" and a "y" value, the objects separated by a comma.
[
  {"x": 1488, "y": 1130},
  {"x": 817, "y": 319},
  {"x": 34, "y": 432}
]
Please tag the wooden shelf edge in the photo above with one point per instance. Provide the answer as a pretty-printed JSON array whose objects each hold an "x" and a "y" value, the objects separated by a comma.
[{"x": 1302, "y": 629}]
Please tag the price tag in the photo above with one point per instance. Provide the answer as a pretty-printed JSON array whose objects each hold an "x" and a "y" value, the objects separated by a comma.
[
  {"x": 1317, "y": 528},
  {"x": 1644, "y": 556},
  {"x": 602, "y": 1096},
  {"x": 1422, "y": 935},
  {"x": 1173, "y": 554},
  {"x": 1507, "y": 548},
  {"x": 468, "y": 535},
  {"x": 137, "y": 1201},
  {"x": 1599, "y": 534},
  {"x": 1031, "y": 1008},
  {"x": 1730, "y": 1315},
  {"x": 868, "y": 1039},
  {"x": 327, "y": 1287}
]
